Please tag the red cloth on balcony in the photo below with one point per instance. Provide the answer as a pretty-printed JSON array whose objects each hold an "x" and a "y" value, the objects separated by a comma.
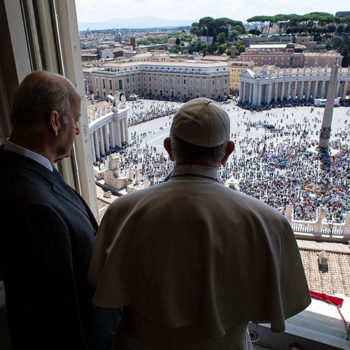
[{"x": 328, "y": 298}]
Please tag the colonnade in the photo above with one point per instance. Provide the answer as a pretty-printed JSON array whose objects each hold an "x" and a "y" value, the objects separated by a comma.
[
  {"x": 108, "y": 133},
  {"x": 267, "y": 88}
]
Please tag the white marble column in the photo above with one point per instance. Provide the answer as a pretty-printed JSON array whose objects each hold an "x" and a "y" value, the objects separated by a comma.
[
  {"x": 314, "y": 93},
  {"x": 251, "y": 94},
  {"x": 283, "y": 87},
  {"x": 106, "y": 137},
  {"x": 112, "y": 134},
  {"x": 269, "y": 92},
  {"x": 301, "y": 91},
  {"x": 97, "y": 145},
  {"x": 241, "y": 92},
  {"x": 123, "y": 130},
  {"x": 276, "y": 92},
  {"x": 308, "y": 90},
  {"x": 337, "y": 89},
  {"x": 102, "y": 142},
  {"x": 345, "y": 84},
  {"x": 322, "y": 89},
  {"x": 126, "y": 129},
  {"x": 255, "y": 94},
  {"x": 244, "y": 92},
  {"x": 288, "y": 90},
  {"x": 259, "y": 94},
  {"x": 118, "y": 136},
  {"x": 93, "y": 151},
  {"x": 295, "y": 90}
]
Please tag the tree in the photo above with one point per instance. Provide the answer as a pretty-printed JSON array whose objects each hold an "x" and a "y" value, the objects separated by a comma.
[
  {"x": 208, "y": 26},
  {"x": 330, "y": 28},
  {"x": 222, "y": 48},
  {"x": 195, "y": 29},
  {"x": 232, "y": 35},
  {"x": 345, "y": 51},
  {"x": 177, "y": 41},
  {"x": 329, "y": 44},
  {"x": 263, "y": 19},
  {"x": 221, "y": 38},
  {"x": 340, "y": 28},
  {"x": 240, "y": 47},
  {"x": 254, "y": 31},
  {"x": 337, "y": 42}
]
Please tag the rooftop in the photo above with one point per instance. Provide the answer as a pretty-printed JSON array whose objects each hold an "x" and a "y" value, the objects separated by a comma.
[
  {"x": 337, "y": 279},
  {"x": 268, "y": 46},
  {"x": 216, "y": 58},
  {"x": 328, "y": 53},
  {"x": 173, "y": 63}
]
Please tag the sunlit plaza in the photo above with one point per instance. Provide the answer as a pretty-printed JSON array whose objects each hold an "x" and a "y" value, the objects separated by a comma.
[{"x": 276, "y": 158}]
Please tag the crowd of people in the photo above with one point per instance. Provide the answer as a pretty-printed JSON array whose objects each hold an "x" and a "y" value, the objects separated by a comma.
[
  {"x": 280, "y": 165},
  {"x": 141, "y": 113},
  {"x": 285, "y": 103}
]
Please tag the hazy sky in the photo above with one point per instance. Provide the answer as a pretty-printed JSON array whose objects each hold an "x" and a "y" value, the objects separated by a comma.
[{"x": 101, "y": 10}]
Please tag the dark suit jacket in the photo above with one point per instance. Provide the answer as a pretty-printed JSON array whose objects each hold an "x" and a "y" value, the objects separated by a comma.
[{"x": 46, "y": 237}]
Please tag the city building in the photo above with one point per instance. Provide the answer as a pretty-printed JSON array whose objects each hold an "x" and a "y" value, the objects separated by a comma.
[
  {"x": 205, "y": 39},
  {"x": 280, "y": 55},
  {"x": 342, "y": 13},
  {"x": 129, "y": 53},
  {"x": 151, "y": 57},
  {"x": 172, "y": 79},
  {"x": 171, "y": 42},
  {"x": 87, "y": 79},
  {"x": 236, "y": 68},
  {"x": 133, "y": 42},
  {"x": 306, "y": 40},
  {"x": 216, "y": 58},
  {"x": 270, "y": 84},
  {"x": 107, "y": 53},
  {"x": 288, "y": 56},
  {"x": 89, "y": 55},
  {"x": 251, "y": 40},
  {"x": 322, "y": 59}
]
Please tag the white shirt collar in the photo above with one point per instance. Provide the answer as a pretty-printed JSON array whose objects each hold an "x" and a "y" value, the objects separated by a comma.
[{"x": 12, "y": 147}]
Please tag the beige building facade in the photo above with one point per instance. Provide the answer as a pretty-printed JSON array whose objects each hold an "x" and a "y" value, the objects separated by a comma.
[
  {"x": 236, "y": 68},
  {"x": 172, "y": 79}
]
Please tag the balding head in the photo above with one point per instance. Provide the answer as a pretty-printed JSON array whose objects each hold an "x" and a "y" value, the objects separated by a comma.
[{"x": 38, "y": 95}]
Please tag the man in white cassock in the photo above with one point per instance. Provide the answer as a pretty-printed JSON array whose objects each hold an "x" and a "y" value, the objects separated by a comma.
[{"x": 191, "y": 261}]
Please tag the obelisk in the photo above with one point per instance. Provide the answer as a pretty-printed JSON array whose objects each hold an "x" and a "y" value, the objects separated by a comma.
[{"x": 328, "y": 111}]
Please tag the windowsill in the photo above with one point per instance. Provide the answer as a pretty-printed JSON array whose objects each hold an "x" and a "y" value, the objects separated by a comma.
[{"x": 320, "y": 323}]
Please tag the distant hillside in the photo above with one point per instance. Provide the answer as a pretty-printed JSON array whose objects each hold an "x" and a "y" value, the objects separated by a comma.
[{"x": 137, "y": 22}]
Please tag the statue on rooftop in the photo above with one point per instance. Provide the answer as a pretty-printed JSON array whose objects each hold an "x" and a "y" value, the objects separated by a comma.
[{"x": 116, "y": 100}]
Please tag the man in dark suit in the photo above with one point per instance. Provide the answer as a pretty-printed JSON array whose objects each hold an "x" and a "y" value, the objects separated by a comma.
[{"x": 47, "y": 228}]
